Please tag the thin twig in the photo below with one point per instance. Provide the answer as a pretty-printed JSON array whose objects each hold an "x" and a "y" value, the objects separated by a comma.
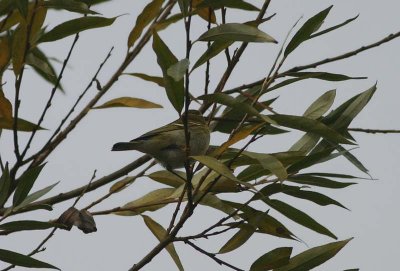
[
  {"x": 207, "y": 72},
  {"x": 374, "y": 131},
  {"x": 212, "y": 256},
  {"x": 86, "y": 189}
]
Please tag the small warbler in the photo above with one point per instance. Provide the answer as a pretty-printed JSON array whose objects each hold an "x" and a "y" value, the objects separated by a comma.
[{"x": 167, "y": 144}]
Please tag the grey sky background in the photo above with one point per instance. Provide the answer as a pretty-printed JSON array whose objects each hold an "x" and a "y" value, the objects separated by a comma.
[{"x": 121, "y": 241}]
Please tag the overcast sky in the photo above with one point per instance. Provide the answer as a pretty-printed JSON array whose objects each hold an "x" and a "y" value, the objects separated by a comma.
[{"x": 122, "y": 241}]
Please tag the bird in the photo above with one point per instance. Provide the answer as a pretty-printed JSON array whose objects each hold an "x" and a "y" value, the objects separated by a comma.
[{"x": 167, "y": 144}]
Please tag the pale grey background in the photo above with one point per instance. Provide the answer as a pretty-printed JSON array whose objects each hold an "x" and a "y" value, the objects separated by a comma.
[{"x": 121, "y": 241}]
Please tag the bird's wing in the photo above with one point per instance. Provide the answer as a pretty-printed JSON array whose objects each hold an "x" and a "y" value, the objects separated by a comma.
[{"x": 173, "y": 126}]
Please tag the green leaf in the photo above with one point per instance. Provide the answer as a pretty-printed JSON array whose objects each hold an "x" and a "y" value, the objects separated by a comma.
[
  {"x": 160, "y": 233},
  {"x": 298, "y": 216},
  {"x": 184, "y": 6},
  {"x": 22, "y": 125},
  {"x": 14, "y": 258},
  {"x": 167, "y": 178},
  {"x": 326, "y": 76},
  {"x": 238, "y": 4},
  {"x": 213, "y": 201},
  {"x": 35, "y": 196},
  {"x": 321, "y": 105},
  {"x": 25, "y": 184},
  {"x": 314, "y": 257},
  {"x": 309, "y": 179},
  {"x": 155, "y": 79},
  {"x": 22, "y": 6},
  {"x": 333, "y": 27},
  {"x": 227, "y": 100},
  {"x": 75, "y": 26},
  {"x": 5, "y": 7},
  {"x": 237, "y": 240},
  {"x": 19, "y": 48},
  {"x": 70, "y": 5},
  {"x": 310, "y": 160},
  {"x": 128, "y": 102},
  {"x": 215, "y": 48},
  {"x": 165, "y": 59},
  {"x": 120, "y": 185},
  {"x": 272, "y": 259},
  {"x": 232, "y": 32},
  {"x": 5, "y": 183},
  {"x": 315, "y": 197},
  {"x": 148, "y": 14},
  {"x": 305, "y": 32},
  {"x": 219, "y": 167},
  {"x": 27, "y": 225},
  {"x": 270, "y": 163},
  {"x": 310, "y": 125},
  {"x": 152, "y": 201},
  {"x": 178, "y": 70}
]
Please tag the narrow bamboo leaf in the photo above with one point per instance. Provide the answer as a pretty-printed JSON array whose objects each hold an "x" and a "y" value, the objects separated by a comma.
[
  {"x": 350, "y": 157},
  {"x": 18, "y": 48},
  {"x": 155, "y": 79},
  {"x": 94, "y": 2},
  {"x": 213, "y": 201},
  {"x": 70, "y": 5},
  {"x": 327, "y": 76},
  {"x": 309, "y": 179},
  {"x": 167, "y": 22},
  {"x": 253, "y": 172},
  {"x": 205, "y": 13},
  {"x": 38, "y": 20},
  {"x": 178, "y": 70},
  {"x": 148, "y": 14},
  {"x": 39, "y": 64},
  {"x": 298, "y": 216},
  {"x": 272, "y": 259},
  {"x": 27, "y": 225},
  {"x": 184, "y": 6},
  {"x": 307, "y": 29},
  {"x": 315, "y": 197},
  {"x": 237, "y": 4},
  {"x": 236, "y": 32},
  {"x": 333, "y": 27},
  {"x": 160, "y": 233},
  {"x": 5, "y": 53},
  {"x": 306, "y": 143},
  {"x": 118, "y": 186},
  {"x": 310, "y": 125},
  {"x": 25, "y": 184},
  {"x": 237, "y": 240},
  {"x": 165, "y": 59},
  {"x": 314, "y": 257},
  {"x": 167, "y": 178},
  {"x": 75, "y": 26},
  {"x": 270, "y": 163},
  {"x": 333, "y": 175},
  {"x": 22, "y": 125},
  {"x": 12, "y": 257},
  {"x": 22, "y": 6},
  {"x": 234, "y": 103},
  {"x": 5, "y": 183},
  {"x": 215, "y": 48},
  {"x": 220, "y": 168},
  {"x": 321, "y": 105},
  {"x": 5, "y": 6},
  {"x": 152, "y": 201},
  {"x": 35, "y": 196},
  {"x": 309, "y": 160},
  {"x": 128, "y": 102}
]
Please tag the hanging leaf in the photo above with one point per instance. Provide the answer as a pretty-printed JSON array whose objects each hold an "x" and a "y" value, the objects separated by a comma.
[
  {"x": 35, "y": 196},
  {"x": 184, "y": 6},
  {"x": 215, "y": 48},
  {"x": 272, "y": 259},
  {"x": 128, "y": 102},
  {"x": 5, "y": 183},
  {"x": 5, "y": 53},
  {"x": 160, "y": 233},
  {"x": 5, "y": 6},
  {"x": 165, "y": 58},
  {"x": 237, "y": 240},
  {"x": 315, "y": 197},
  {"x": 314, "y": 257},
  {"x": 204, "y": 12},
  {"x": 25, "y": 184},
  {"x": 309, "y": 179},
  {"x": 148, "y": 14},
  {"x": 14, "y": 258},
  {"x": 155, "y": 79},
  {"x": 75, "y": 26},
  {"x": 270, "y": 163},
  {"x": 69, "y": 5},
  {"x": 298, "y": 216},
  {"x": 22, "y": 125},
  {"x": 19, "y": 48},
  {"x": 40, "y": 16},
  {"x": 236, "y": 32},
  {"x": 213, "y": 201},
  {"x": 309, "y": 27},
  {"x": 238, "y": 4},
  {"x": 5, "y": 107},
  {"x": 22, "y": 6},
  {"x": 321, "y": 105}
]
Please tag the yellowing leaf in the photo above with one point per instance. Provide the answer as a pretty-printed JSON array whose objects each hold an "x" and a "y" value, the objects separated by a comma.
[
  {"x": 40, "y": 16},
  {"x": 237, "y": 240},
  {"x": 160, "y": 233},
  {"x": 22, "y": 125},
  {"x": 5, "y": 107},
  {"x": 128, "y": 102},
  {"x": 4, "y": 53},
  {"x": 118, "y": 186},
  {"x": 19, "y": 47},
  {"x": 205, "y": 13}
]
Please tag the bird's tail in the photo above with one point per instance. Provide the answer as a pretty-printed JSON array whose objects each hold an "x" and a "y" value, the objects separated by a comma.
[{"x": 124, "y": 146}]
